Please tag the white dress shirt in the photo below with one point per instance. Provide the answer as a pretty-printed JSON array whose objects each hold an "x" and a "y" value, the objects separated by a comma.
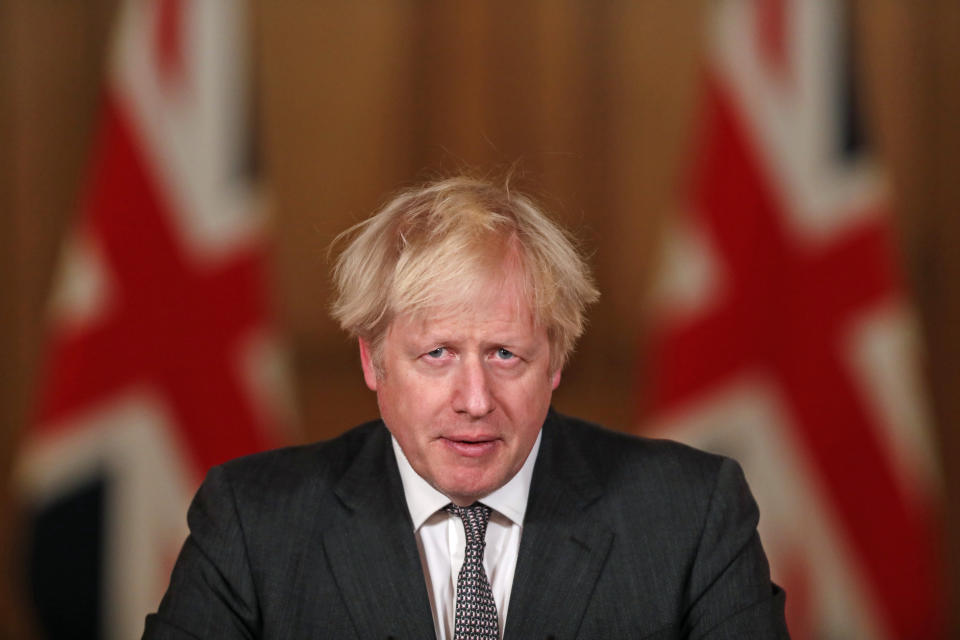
[{"x": 441, "y": 540}]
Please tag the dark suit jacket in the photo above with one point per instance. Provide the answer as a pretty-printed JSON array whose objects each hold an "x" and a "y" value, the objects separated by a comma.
[{"x": 623, "y": 538}]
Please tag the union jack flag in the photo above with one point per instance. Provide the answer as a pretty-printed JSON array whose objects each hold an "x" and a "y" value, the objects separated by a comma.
[
  {"x": 161, "y": 359},
  {"x": 784, "y": 335}
]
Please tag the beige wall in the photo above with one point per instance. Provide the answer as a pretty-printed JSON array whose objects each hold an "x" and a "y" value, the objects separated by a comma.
[{"x": 592, "y": 101}]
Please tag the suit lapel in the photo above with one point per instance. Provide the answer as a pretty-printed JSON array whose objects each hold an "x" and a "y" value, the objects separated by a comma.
[
  {"x": 373, "y": 553},
  {"x": 563, "y": 549}
]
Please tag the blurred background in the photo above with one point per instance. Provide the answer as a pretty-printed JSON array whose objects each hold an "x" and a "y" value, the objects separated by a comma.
[{"x": 616, "y": 116}]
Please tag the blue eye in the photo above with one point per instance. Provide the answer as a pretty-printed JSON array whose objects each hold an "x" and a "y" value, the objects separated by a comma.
[
  {"x": 436, "y": 353},
  {"x": 504, "y": 354}
]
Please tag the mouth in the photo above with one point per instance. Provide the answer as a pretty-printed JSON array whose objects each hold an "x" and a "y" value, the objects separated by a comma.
[{"x": 470, "y": 447}]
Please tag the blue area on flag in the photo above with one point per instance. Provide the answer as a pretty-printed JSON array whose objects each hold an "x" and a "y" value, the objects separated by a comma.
[
  {"x": 852, "y": 138},
  {"x": 66, "y": 563}
]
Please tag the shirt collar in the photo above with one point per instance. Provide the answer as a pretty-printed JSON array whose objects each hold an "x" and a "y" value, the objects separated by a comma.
[{"x": 423, "y": 500}]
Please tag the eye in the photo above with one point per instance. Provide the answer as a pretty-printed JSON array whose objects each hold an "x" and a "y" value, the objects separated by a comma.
[
  {"x": 504, "y": 354},
  {"x": 436, "y": 353}
]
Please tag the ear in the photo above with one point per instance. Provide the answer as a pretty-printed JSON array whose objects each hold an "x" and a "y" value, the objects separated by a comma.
[
  {"x": 366, "y": 362},
  {"x": 555, "y": 380}
]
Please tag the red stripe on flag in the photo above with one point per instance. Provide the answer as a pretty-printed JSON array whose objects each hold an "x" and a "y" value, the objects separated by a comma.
[
  {"x": 168, "y": 40},
  {"x": 785, "y": 311},
  {"x": 771, "y": 33}
]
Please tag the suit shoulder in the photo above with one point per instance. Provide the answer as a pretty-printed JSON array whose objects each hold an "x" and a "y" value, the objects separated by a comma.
[
  {"x": 604, "y": 440},
  {"x": 668, "y": 481},
  {"x": 286, "y": 467},
  {"x": 618, "y": 457}
]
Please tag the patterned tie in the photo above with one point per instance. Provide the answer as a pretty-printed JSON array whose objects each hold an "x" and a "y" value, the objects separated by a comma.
[{"x": 476, "y": 617}]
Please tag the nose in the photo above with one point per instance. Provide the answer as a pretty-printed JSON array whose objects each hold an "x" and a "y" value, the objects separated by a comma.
[{"x": 472, "y": 395}]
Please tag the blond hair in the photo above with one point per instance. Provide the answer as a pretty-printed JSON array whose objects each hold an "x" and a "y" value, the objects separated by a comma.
[{"x": 431, "y": 247}]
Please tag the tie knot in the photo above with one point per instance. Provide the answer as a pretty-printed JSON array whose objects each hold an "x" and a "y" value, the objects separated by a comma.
[{"x": 475, "y": 518}]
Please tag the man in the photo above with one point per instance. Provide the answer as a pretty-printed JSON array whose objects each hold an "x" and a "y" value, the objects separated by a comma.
[{"x": 471, "y": 509}]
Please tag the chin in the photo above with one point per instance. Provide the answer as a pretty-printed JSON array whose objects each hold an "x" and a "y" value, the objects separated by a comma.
[{"x": 471, "y": 492}]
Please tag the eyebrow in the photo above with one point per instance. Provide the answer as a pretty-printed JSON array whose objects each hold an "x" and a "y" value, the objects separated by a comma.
[{"x": 442, "y": 339}]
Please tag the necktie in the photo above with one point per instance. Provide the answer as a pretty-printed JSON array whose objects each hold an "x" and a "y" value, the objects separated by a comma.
[{"x": 476, "y": 613}]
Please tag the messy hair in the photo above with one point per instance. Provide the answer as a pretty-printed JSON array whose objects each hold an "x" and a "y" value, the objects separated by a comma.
[{"x": 431, "y": 247}]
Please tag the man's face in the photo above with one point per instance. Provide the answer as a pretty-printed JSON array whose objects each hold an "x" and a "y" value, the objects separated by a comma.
[{"x": 465, "y": 393}]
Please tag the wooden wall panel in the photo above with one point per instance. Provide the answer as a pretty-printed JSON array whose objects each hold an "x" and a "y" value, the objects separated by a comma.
[
  {"x": 451, "y": 95},
  {"x": 937, "y": 256},
  {"x": 654, "y": 54},
  {"x": 12, "y": 384},
  {"x": 334, "y": 80}
]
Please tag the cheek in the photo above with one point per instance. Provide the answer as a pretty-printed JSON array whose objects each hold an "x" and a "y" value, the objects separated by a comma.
[
  {"x": 406, "y": 400},
  {"x": 526, "y": 401}
]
